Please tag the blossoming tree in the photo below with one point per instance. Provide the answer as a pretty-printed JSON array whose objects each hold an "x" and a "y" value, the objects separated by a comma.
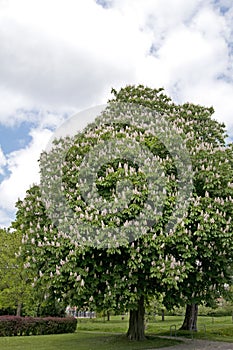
[
  {"x": 128, "y": 207},
  {"x": 210, "y": 208}
]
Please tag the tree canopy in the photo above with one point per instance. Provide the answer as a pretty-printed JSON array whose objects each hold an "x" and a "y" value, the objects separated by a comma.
[
  {"x": 138, "y": 203},
  {"x": 14, "y": 286}
]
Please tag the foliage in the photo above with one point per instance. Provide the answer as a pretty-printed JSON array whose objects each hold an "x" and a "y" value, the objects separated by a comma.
[
  {"x": 14, "y": 280},
  {"x": 17, "y": 293},
  {"x": 208, "y": 222},
  {"x": 190, "y": 263}
]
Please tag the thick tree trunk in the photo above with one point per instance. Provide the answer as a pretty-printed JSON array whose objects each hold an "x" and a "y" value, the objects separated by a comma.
[
  {"x": 190, "y": 320},
  {"x": 136, "y": 329}
]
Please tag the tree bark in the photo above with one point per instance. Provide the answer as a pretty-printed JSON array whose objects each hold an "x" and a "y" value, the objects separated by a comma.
[
  {"x": 108, "y": 315},
  {"x": 163, "y": 315},
  {"x": 19, "y": 309},
  {"x": 190, "y": 320},
  {"x": 136, "y": 329}
]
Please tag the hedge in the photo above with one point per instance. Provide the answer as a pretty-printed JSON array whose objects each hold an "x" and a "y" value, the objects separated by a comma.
[{"x": 15, "y": 325}]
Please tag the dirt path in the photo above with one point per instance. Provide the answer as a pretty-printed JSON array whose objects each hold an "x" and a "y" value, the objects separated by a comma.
[{"x": 196, "y": 344}]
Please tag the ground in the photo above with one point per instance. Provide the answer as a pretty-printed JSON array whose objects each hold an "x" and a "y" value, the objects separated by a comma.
[{"x": 197, "y": 344}]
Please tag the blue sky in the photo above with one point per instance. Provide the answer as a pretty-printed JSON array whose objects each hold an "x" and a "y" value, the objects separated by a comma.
[
  {"x": 13, "y": 138},
  {"x": 58, "y": 58}
]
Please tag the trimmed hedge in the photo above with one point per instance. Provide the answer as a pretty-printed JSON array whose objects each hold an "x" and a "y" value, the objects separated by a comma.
[{"x": 15, "y": 325}]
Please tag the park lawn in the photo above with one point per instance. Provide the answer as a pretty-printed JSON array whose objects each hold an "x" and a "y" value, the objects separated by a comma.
[
  {"x": 99, "y": 334},
  {"x": 212, "y": 328},
  {"x": 82, "y": 341}
]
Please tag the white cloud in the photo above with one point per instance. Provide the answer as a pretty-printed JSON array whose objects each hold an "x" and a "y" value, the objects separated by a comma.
[
  {"x": 59, "y": 57},
  {"x": 2, "y": 161},
  {"x": 63, "y": 57},
  {"x": 23, "y": 168}
]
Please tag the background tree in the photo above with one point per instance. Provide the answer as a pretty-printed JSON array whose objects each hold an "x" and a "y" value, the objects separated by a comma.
[
  {"x": 120, "y": 274},
  {"x": 14, "y": 286}
]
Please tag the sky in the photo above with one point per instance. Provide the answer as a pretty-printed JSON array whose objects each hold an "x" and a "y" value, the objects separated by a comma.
[{"x": 60, "y": 57}]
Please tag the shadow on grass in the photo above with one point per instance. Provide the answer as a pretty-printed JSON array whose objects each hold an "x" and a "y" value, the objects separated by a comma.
[{"x": 83, "y": 341}]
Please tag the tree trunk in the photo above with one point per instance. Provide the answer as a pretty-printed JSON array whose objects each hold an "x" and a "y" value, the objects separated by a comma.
[
  {"x": 108, "y": 315},
  {"x": 136, "y": 329},
  {"x": 19, "y": 309},
  {"x": 163, "y": 315},
  {"x": 190, "y": 320}
]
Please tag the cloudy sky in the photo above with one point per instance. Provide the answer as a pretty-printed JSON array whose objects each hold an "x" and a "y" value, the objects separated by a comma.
[{"x": 59, "y": 57}]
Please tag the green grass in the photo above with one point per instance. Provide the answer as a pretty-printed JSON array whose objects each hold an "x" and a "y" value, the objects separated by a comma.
[
  {"x": 217, "y": 328},
  {"x": 81, "y": 341},
  {"x": 211, "y": 328},
  {"x": 99, "y": 334}
]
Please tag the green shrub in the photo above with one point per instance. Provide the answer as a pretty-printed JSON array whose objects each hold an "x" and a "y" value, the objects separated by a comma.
[{"x": 14, "y": 325}]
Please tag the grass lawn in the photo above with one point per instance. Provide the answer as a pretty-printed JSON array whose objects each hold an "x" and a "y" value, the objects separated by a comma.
[
  {"x": 217, "y": 328},
  {"x": 81, "y": 341},
  {"x": 211, "y": 328},
  {"x": 98, "y": 334}
]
